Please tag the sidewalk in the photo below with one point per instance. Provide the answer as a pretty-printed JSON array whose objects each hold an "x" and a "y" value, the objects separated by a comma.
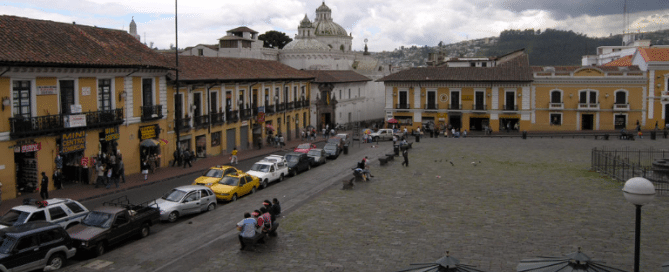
[{"x": 81, "y": 192}]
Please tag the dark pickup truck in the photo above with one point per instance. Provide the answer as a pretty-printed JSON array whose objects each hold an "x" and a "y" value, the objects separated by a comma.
[{"x": 112, "y": 223}]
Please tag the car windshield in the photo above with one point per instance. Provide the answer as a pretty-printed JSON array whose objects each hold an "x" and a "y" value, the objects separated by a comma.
[
  {"x": 260, "y": 167},
  {"x": 232, "y": 181},
  {"x": 214, "y": 173},
  {"x": 292, "y": 158},
  {"x": 6, "y": 244},
  {"x": 98, "y": 219},
  {"x": 304, "y": 146},
  {"x": 330, "y": 147},
  {"x": 13, "y": 216},
  {"x": 314, "y": 152},
  {"x": 174, "y": 195}
]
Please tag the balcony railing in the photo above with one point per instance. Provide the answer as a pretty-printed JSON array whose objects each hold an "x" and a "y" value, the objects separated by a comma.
[
  {"x": 621, "y": 107},
  {"x": 200, "y": 120},
  {"x": 254, "y": 111},
  {"x": 231, "y": 116},
  {"x": 454, "y": 106},
  {"x": 402, "y": 106},
  {"x": 510, "y": 107},
  {"x": 41, "y": 125},
  {"x": 281, "y": 107},
  {"x": 217, "y": 118},
  {"x": 245, "y": 114},
  {"x": 556, "y": 106},
  {"x": 588, "y": 106},
  {"x": 183, "y": 123},
  {"x": 298, "y": 104},
  {"x": 290, "y": 105},
  {"x": 152, "y": 112},
  {"x": 479, "y": 107},
  {"x": 269, "y": 109},
  {"x": 431, "y": 106}
]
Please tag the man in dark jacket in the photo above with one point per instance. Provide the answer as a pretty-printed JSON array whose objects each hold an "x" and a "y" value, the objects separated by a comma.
[
  {"x": 405, "y": 154},
  {"x": 187, "y": 158},
  {"x": 44, "y": 190}
]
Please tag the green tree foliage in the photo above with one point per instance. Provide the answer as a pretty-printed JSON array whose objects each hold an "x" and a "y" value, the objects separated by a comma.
[{"x": 274, "y": 39}]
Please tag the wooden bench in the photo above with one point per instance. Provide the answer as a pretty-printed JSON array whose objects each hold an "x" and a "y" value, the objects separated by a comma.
[
  {"x": 383, "y": 161},
  {"x": 260, "y": 237},
  {"x": 390, "y": 157}
]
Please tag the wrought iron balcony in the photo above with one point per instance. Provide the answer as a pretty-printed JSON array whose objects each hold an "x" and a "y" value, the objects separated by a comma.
[
  {"x": 556, "y": 106},
  {"x": 152, "y": 112},
  {"x": 298, "y": 104},
  {"x": 254, "y": 111},
  {"x": 231, "y": 116},
  {"x": 200, "y": 120},
  {"x": 402, "y": 106},
  {"x": 21, "y": 127},
  {"x": 588, "y": 106},
  {"x": 510, "y": 108},
  {"x": 290, "y": 106},
  {"x": 217, "y": 118},
  {"x": 621, "y": 107},
  {"x": 281, "y": 107},
  {"x": 454, "y": 106},
  {"x": 183, "y": 123},
  {"x": 431, "y": 106},
  {"x": 269, "y": 109},
  {"x": 479, "y": 107},
  {"x": 245, "y": 114}
]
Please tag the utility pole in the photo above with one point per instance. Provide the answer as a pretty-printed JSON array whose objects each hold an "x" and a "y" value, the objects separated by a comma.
[{"x": 176, "y": 52}]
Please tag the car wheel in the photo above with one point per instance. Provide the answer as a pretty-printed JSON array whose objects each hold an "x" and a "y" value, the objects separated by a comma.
[
  {"x": 234, "y": 198},
  {"x": 56, "y": 261},
  {"x": 295, "y": 172},
  {"x": 100, "y": 249},
  {"x": 265, "y": 183},
  {"x": 253, "y": 190},
  {"x": 308, "y": 167},
  {"x": 281, "y": 178},
  {"x": 145, "y": 231},
  {"x": 211, "y": 207},
  {"x": 173, "y": 217}
]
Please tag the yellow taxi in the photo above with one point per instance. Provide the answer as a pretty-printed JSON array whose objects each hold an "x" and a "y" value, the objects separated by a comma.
[
  {"x": 233, "y": 186},
  {"x": 215, "y": 174}
]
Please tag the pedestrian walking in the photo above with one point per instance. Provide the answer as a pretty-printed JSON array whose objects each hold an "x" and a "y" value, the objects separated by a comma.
[
  {"x": 325, "y": 133},
  {"x": 187, "y": 158},
  {"x": 44, "y": 189},
  {"x": 233, "y": 157},
  {"x": 100, "y": 170},
  {"x": 121, "y": 168},
  {"x": 145, "y": 169},
  {"x": 405, "y": 154},
  {"x": 57, "y": 179},
  {"x": 177, "y": 158},
  {"x": 110, "y": 176},
  {"x": 281, "y": 142}
]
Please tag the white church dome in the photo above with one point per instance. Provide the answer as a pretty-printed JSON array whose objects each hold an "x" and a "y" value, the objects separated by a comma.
[{"x": 306, "y": 44}]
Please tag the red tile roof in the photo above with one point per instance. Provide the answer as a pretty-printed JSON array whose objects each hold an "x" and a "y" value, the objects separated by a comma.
[
  {"x": 516, "y": 69},
  {"x": 212, "y": 69},
  {"x": 624, "y": 61},
  {"x": 40, "y": 43},
  {"x": 569, "y": 69},
  {"x": 337, "y": 76},
  {"x": 654, "y": 54},
  {"x": 242, "y": 29}
]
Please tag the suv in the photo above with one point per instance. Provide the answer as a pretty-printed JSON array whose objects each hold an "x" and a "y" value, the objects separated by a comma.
[
  {"x": 62, "y": 211},
  {"x": 34, "y": 245},
  {"x": 297, "y": 162}
]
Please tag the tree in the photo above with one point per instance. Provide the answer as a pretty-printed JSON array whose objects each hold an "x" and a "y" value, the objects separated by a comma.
[{"x": 274, "y": 39}]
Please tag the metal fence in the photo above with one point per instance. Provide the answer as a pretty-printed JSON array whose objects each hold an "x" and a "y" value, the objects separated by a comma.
[{"x": 628, "y": 163}]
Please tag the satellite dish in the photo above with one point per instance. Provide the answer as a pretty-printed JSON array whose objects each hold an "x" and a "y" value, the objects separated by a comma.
[{"x": 365, "y": 40}]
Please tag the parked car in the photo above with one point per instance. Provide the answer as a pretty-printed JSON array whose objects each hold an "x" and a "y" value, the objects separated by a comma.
[
  {"x": 234, "y": 186},
  {"x": 304, "y": 148},
  {"x": 345, "y": 137},
  {"x": 317, "y": 156},
  {"x": 297, "y": 162},
  {"x": 63, "y": 211},
  {"x": 35, "y": 245},
  {"x": 185, "y": 200},
  {"x": 215, "y": 174},
  {"x": 112, "y": 223},
  {"x": 339, "y": 141},
  {"x": 268, "y": 170},
  {"x": 332, "y": 150},
  {"x": 382, "y": 134}
]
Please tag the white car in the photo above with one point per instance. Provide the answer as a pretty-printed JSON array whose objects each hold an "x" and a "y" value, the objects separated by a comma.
[
  {"x": 185, "y": 200},
  {"x": 270, "y": 169},
  {"x": 62, "y": 211}
]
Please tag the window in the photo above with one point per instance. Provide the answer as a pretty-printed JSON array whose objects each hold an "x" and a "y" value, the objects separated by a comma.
[
  {"x": 204, "y": 193},
  {"x": 621, "y": 97},
  {"x": 104, "y": 94},
  {"x": 27, "y": 242},
  {"x": 74, "y": 207},
  {"x": 216, "y": 139},
  {"x": 556, "y": 96},
  {"x": 66, "y": 95},
  {"x": 473, "y": 64},
  {"x": 50, "y": 236},
  {"x": 200, "y": 52},
  {"x": 587, "y": 97},
  {"x": 484, "y": 64},
  {"x": 147, "y": 91},
  {"x": 294, "y": 93},
  {"x": 358, "y": 92},
  {"x": 339, "y": 94},
  {"x": 178, "y": 105},
  {"x": 510, "y": 101},
  {"x": 349, "y": 93},
  {"x": 57, "y": 213},
  {"x": 21, "y": 94},
  {"x": 121, "y": 219},
  {"x": 556, "y": 119},
  {"x": 37, "y": 216}
]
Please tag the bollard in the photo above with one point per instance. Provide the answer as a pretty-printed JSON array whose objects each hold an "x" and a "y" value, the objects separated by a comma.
[
  {"x": 346, "y": 150},
  {"x": 652, "y": 134},
  {"x": 396, "y": 149},
  {"x": 524, "y": 134}
]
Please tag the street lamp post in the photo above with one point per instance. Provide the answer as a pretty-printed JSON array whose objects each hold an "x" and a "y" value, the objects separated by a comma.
[{"x": 638, "y": 191}]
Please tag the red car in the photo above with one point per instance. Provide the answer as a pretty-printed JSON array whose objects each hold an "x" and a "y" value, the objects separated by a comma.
[{"x": 304, "y": 148}]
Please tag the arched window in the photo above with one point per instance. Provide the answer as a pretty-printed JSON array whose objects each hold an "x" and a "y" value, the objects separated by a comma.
[
  {"x": 621, "y": 97},
  {"x": 587, "y": 97},
  {"x": 556, "y": 96}
]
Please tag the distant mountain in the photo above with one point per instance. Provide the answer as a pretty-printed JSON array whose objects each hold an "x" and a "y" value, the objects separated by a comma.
[{"x": 545, "y": 48}]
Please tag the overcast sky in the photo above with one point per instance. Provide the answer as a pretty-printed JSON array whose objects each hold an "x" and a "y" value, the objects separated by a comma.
[{"x": 387, "y": 24}]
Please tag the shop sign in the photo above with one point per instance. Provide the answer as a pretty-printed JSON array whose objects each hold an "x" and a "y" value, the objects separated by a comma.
[
  {"x": 46, "y": 90},
  {"x": 75, "y": 120},
  {"x": 261, "y": 117},
  {"x": 73, "y": 141},
  {"x": 85, "y": 90},
  {"x": 111, "y": 134},
  {"x": 85, "y": 161},
  {"x": 245, "y": 123},
  {"x": 34, "y": 147},
  {"x": 147, "y": 132},
  {"x": 75, "y": 108}
]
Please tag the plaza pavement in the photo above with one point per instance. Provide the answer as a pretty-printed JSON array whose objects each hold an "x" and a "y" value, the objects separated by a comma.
[{"x": 525, "y": 198}]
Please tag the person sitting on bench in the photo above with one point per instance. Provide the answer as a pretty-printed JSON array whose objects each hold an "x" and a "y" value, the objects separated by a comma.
[{"x": 247, "y": 228}]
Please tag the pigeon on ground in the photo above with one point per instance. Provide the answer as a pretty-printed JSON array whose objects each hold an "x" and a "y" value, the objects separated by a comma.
[
  {"x": 474, "y": 163},
  {"x": 452, "y": 164}
]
